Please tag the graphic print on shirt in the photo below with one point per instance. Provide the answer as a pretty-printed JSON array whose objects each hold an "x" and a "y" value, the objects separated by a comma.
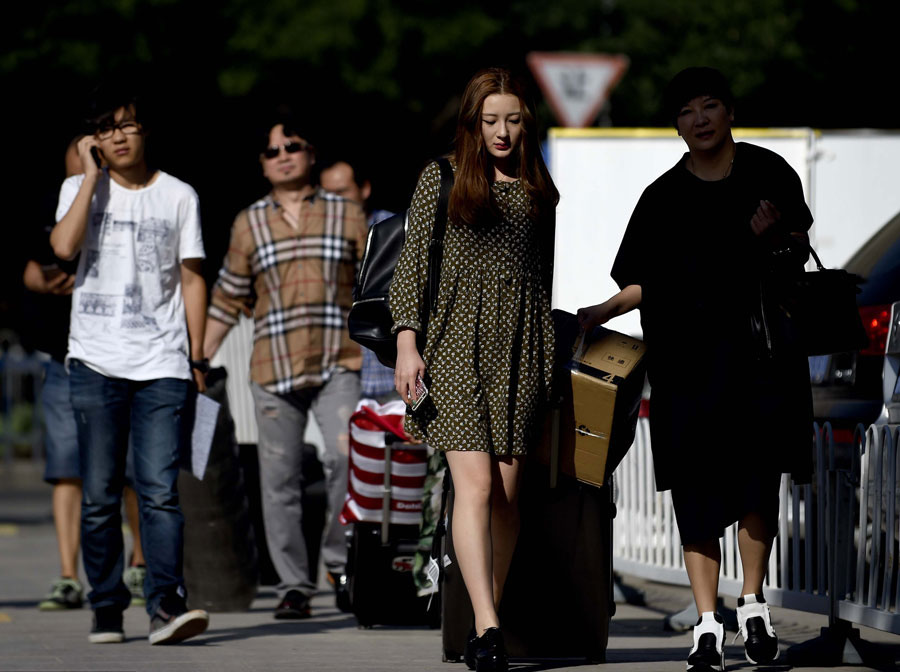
[
  {"x": 98, "y": 305},
  {"x": 149, "y": 283},
  {"x": 132, "y": 318},
  {"x": 154, "y": 244}
]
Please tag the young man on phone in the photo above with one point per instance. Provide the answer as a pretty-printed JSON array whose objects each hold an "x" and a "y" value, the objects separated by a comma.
[{"x": 135, "y": 350}]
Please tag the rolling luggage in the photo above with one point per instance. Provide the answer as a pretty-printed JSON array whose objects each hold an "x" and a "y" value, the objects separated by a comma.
[
  {"x": 384, "y": 507},
  {"x": 558, "y": 598}
]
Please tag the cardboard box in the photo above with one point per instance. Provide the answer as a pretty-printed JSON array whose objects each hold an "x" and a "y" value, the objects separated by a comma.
[{"x": 593, "y": 428}]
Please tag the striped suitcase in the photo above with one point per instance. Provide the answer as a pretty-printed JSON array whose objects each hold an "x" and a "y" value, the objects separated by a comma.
[{"x": 384, "y": 505}]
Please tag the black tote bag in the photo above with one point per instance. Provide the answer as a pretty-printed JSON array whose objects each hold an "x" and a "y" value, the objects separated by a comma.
[{"x": 810, "y": 313}]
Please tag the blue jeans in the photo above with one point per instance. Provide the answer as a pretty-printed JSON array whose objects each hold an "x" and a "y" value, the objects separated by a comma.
[
  {"x": 107, "y": 410},
  {"x": 61, "y": 442}
]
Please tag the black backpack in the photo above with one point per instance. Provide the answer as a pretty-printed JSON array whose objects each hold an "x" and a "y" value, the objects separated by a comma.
[{"x": 370, "y": 318}]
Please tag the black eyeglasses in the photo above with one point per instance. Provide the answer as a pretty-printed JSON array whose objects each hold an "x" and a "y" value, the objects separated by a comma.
[
  {"x": 291, "y": 148},
  {"x": 128, "y": 127}
]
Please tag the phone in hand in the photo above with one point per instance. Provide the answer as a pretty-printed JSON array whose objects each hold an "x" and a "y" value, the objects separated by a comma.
[
  {"x": 95, "y": 153},
  {"x": 50, "y": 271},
  {"x": 421, "y": 394}
]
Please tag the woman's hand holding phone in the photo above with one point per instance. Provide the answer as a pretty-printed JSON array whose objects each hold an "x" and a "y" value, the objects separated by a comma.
[{"x": 410, "y": 367}]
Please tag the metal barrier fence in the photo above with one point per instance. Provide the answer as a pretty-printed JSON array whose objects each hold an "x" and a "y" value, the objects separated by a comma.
[
  {"x": 836, "y": 552},
  {"x": 21, "y": 377}
]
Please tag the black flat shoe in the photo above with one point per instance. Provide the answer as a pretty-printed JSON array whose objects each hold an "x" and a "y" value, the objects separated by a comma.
[
  {"x": 490, "y": 652},
  {"x": 471, "y": 645}
]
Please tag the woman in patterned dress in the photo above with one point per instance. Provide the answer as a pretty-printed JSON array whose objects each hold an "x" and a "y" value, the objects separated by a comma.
[{"x": 488, "y": 350}]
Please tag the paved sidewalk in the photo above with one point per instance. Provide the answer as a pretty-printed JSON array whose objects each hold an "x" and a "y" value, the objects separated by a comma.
[{"x": 253, "y": 640}]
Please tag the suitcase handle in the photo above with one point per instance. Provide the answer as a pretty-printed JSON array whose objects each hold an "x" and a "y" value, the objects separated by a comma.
[{"x": 389, "y": 440}]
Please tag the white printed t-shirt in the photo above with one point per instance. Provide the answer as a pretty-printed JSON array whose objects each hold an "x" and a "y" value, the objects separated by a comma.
[{"x": 128, "y": 316}]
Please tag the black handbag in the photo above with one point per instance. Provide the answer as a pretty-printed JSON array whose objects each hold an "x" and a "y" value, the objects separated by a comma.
[
  {"x": 370, "y": 319},
  {"x": 808, "y": 313}
]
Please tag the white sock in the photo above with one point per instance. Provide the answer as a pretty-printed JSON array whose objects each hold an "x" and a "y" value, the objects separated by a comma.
[{"x": 708, "y": 623}]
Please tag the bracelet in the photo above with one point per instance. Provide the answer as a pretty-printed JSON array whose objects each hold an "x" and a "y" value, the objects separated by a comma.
[{"x": 201, "y": 365}]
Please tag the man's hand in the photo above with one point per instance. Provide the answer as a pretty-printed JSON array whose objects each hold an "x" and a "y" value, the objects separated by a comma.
[
  {"x": 85, "y": 145},
  {"x": 765, "y": 217},
  {"x": 236, "y": 304},
  {"x": 200, "y": 380},
  {"x": 53, "y": 281}
]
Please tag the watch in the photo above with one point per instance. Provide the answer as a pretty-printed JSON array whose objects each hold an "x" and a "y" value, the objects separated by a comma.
[{"x": 202, "y": 365}]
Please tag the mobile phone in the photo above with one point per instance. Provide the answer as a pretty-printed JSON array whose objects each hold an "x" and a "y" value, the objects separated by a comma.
[
  {"x": 422, "y": 392},
  {"x": 95, "y": 152},
  {"x": 51, "y": 271}
]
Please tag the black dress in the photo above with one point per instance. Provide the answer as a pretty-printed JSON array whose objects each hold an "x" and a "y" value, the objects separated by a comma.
[{"x": 725, "y": 421}]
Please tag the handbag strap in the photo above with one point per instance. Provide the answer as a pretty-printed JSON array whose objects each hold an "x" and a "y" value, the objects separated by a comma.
[
  {"x": 815, "y": 256},
  {"x": 436, "y": 248}
]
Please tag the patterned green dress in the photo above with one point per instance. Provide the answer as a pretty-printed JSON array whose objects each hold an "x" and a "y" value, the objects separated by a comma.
[{"x": 489, "y": 344}]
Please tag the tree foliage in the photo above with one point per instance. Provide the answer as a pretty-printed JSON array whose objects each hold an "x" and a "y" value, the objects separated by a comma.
[{"x": 384, "y": 76}]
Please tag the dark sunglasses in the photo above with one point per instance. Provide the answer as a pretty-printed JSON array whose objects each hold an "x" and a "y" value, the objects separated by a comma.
[{"x": 291, "y": 148}]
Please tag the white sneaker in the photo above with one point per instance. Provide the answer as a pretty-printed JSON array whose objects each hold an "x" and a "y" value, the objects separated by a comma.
[
  {"x": 708, "y": 652},
  {"x": 755, "y": 627}
]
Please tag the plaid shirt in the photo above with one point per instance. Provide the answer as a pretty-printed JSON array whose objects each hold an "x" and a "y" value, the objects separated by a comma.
[{"x": 298, "y": 276}]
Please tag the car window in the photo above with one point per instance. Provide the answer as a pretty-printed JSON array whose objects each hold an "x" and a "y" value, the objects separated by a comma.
[{"x": 878, "y": 261}]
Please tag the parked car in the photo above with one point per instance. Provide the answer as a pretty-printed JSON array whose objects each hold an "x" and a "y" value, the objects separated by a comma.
[{"x": 847, "y": 387}]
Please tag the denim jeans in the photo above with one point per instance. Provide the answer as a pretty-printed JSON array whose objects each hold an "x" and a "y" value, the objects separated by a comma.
[
  {"x": 61, "y": 441},
  {"x": 107, "y": 410}
]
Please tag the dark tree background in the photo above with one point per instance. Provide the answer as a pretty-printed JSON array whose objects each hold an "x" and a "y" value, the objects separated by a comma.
[{"x": 382, "y": 78}]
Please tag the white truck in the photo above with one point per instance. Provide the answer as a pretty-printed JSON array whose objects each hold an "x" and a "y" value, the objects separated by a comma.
[{"x": 851, "y": 180}]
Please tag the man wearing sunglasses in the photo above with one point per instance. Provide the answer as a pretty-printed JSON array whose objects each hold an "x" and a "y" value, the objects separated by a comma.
[
  {"x": 135, "y": 347},
  {"x": 292, "y": 261}
]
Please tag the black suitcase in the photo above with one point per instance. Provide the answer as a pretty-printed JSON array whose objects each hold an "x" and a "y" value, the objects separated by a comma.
[
  {"x": 558, "y": 598},
  {"x": 379, "y": 570}
]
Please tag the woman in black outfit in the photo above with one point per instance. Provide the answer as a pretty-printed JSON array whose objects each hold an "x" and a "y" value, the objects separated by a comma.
[{"x": 727, "y": 417}]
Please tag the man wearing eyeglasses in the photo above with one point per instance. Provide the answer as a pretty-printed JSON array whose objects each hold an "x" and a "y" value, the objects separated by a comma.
[
  {"x": 135, "y": 347},
  {"x": 292, "y": 261}
]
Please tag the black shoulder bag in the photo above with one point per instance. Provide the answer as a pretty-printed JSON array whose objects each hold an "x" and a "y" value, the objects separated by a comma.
[
  {"x": 370, "y": 319},
  {"x": 809, "y": 313}
]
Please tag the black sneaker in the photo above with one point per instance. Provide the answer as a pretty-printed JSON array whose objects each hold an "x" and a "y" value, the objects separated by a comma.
[
  {"x": 107, "y": 626},
  {"x": 708, "y": 652},
  {"x": 173, "y": 623},
  {"x": 293, "y": 605},
  {"x": 755, "y": 627}
]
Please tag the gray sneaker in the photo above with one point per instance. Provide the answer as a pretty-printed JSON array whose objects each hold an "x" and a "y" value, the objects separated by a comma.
[
  {"x": 133, "y": 578},
  {"x": 64, "y": 594},
  {"x": 171, "y": 628}
]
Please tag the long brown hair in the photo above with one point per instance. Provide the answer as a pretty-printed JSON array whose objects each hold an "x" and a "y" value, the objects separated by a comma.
[{"x": 471, "y": 200}]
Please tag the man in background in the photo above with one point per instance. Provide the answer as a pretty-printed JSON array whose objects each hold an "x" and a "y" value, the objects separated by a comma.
[
  {"x": 292, "y": 261},
  {"x": 347, "y": 177}
]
